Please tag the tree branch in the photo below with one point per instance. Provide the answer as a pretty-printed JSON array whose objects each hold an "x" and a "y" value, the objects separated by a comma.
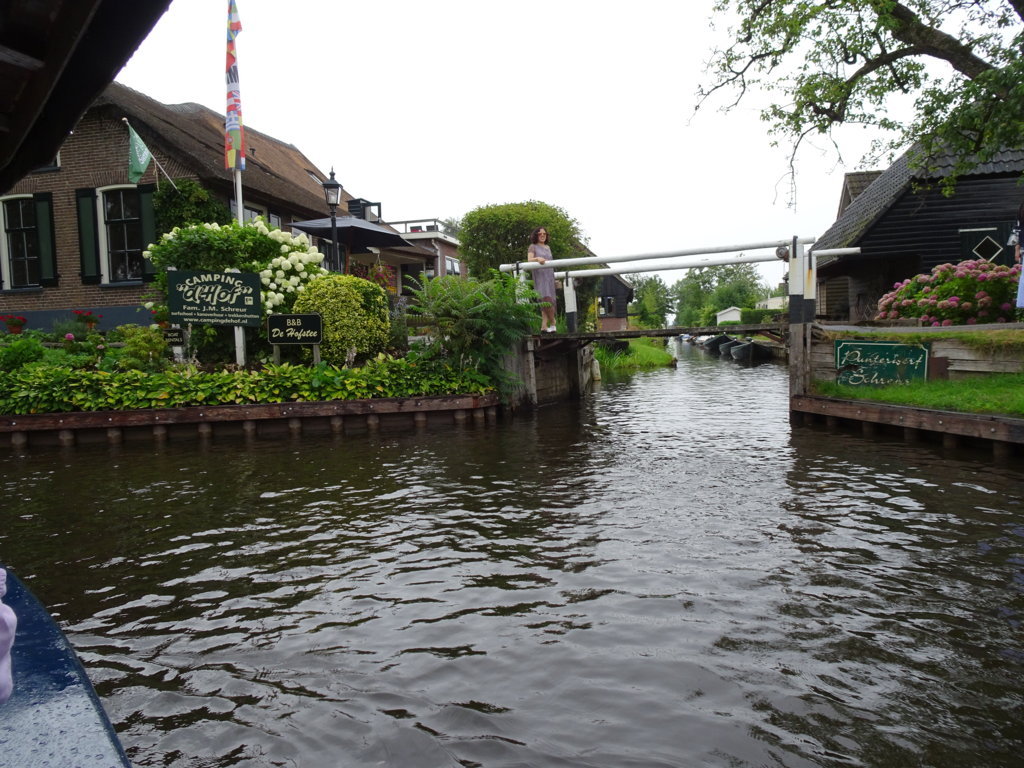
[{"x": 908, "y": 28}]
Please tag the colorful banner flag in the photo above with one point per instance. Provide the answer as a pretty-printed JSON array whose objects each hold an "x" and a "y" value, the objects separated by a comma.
[
  {"x": 234, "y": 137},
  {"x": 138, "y": 156}
]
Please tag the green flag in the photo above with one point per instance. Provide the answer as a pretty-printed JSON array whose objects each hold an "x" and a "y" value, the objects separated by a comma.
[{"x": 138, "y": 156}]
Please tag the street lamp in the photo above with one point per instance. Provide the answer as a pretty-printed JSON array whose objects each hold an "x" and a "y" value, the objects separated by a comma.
[{"x": 332, "y": 193}]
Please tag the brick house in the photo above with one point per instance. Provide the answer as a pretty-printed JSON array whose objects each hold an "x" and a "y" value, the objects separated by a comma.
[
  {"x": 440, "y": 249},
  {"x": 72, "y": 233}
]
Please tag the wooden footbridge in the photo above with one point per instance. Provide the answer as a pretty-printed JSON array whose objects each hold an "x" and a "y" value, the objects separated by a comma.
[
  {"x": 774, "y": 331},
  {"x": 808, "y": 346}
]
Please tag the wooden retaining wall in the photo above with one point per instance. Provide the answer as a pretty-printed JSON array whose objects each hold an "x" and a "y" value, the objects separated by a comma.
[
  {"x": 1003, "y": 435},
  {"x": 249, "y": 421},
  {"x": 949, "y": 358}
]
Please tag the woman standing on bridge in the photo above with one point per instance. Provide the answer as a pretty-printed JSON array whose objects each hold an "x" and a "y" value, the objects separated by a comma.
[{"x": 543, "y": 278}]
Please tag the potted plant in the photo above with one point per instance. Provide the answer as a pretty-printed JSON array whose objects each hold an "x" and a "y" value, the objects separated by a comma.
[
  {"x": 161, "y": 315},
  {"x": 14, "y": 323},
  {"x": 86, "y": 318}
]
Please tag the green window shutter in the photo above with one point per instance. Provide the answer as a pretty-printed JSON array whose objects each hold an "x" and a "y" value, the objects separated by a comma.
[
  {"x": 148, "y": 215},
  {"x": 43, "y": 203},
  {"x": 88, "y": 240}
]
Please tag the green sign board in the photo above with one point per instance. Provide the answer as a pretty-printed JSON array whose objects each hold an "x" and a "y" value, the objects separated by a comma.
[
  {"x": 214, "y": 298},
  {"x": 295, "y": 329},
  {"x": 878, "y": 363}
]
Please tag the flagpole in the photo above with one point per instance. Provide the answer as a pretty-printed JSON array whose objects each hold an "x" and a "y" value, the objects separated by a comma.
[
  {"x": 239, "y": 207},
  {"x": 234, "y": 140}
]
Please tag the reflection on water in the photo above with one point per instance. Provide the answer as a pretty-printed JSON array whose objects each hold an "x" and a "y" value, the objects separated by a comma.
[{"x": 665, "y": 575}]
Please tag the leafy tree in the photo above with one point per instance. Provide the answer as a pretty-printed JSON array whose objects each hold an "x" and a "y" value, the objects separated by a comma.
[
  {"x": 841, "y": 61},
  {"x": 707, "y": 290},
  {"x": 493, "y": 235},
  {"x": 651, "y": 301},
  {"x": 451, "y": 227},
  {"x": 738, "y": 285},
  {"x": 691, "y": 295}
]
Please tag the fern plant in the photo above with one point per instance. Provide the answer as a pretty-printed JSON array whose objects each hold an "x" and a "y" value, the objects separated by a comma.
[{"x": 477, "y": 323}]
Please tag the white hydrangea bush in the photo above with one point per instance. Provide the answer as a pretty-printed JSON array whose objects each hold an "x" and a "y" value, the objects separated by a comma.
[{"x": 285, "y": 263}]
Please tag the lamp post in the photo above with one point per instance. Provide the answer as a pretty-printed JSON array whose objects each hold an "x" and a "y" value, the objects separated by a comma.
[{"x": 332, "y": 193}]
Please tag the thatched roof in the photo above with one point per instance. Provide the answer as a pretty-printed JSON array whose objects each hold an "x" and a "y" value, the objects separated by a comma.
[{"x": 194, "y": 136}]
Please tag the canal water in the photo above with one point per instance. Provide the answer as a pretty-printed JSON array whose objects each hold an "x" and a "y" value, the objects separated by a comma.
[{"x": 667, "y": 574}]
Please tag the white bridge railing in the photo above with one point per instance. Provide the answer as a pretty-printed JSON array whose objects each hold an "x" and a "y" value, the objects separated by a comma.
[{"x": 802, "y": 270}]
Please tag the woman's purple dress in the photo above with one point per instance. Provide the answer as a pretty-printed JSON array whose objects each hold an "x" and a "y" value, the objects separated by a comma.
[{"x": 544, "y": 278}]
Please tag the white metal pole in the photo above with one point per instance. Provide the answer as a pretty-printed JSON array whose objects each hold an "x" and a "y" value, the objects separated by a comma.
[
  {"x": 691, "y": 264},
  {"x": 773, "y": 244},
  {"x": 240, "y": 209}
]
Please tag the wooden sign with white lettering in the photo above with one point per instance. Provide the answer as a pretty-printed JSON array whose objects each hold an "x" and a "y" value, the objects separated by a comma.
[{"x": 295, "y": 329}]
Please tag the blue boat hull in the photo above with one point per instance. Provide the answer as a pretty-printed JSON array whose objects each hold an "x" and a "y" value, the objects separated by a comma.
[{"x": 54, "y": 717}]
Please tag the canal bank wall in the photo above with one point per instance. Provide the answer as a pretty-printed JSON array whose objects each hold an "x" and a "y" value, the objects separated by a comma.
[
  {"x": 550, "y": 369},
  {"x": 948, "y": 358},
  {"x": 338, "y": 417}
]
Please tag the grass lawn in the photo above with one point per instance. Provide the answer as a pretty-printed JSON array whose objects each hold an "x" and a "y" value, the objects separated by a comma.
[{"x": 1000, "y": 393}]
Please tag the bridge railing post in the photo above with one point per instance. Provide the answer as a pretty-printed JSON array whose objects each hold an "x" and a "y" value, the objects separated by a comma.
[
  {"x": 570, "y": 304},
  {"x": 802, "y": 310}
]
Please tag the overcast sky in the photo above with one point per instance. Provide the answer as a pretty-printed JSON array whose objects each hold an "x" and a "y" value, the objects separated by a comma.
[{"x": 434, "y": 109}]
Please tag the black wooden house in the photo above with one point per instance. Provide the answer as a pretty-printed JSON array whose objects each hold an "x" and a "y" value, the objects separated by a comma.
[
  {"x": 616, "y": 294},
  {"x": 904, "y": 225}
]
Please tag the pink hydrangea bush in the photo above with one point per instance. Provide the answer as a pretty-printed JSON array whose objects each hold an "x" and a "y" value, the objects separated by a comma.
[{"x": 955, "y": 294}]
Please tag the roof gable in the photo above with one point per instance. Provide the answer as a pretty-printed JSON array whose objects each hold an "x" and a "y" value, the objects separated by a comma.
[
  {"x": 882, "y": 193},
  {"x": 194, "y": 135}
]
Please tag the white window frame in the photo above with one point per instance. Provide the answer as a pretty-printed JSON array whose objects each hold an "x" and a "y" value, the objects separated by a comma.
[
  {"x": 5, "y": 256},
  {"x": 101, "y": 232}
]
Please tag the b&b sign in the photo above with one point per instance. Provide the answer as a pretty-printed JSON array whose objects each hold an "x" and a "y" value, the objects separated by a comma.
[{"x": 295, "y": 329}]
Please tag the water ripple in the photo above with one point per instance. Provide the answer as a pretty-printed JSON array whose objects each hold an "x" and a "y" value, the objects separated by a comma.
[{"x": 664, "y": 575}]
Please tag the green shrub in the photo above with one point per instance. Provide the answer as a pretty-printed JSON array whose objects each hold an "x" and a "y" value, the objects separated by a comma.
[
  {"x": 40, "y": 388},
  {"x": 144, "y": 349},
  {"x": 20, "y": 352},
  {"x": 185, "y": 203},
  {"x": 61, "y": 328},
  {"x": 398, "y": 338},
  {"x": 285, "y": 264},
  {"x": 355, "y": 317},
  {"x": 758, "y": 316}
]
